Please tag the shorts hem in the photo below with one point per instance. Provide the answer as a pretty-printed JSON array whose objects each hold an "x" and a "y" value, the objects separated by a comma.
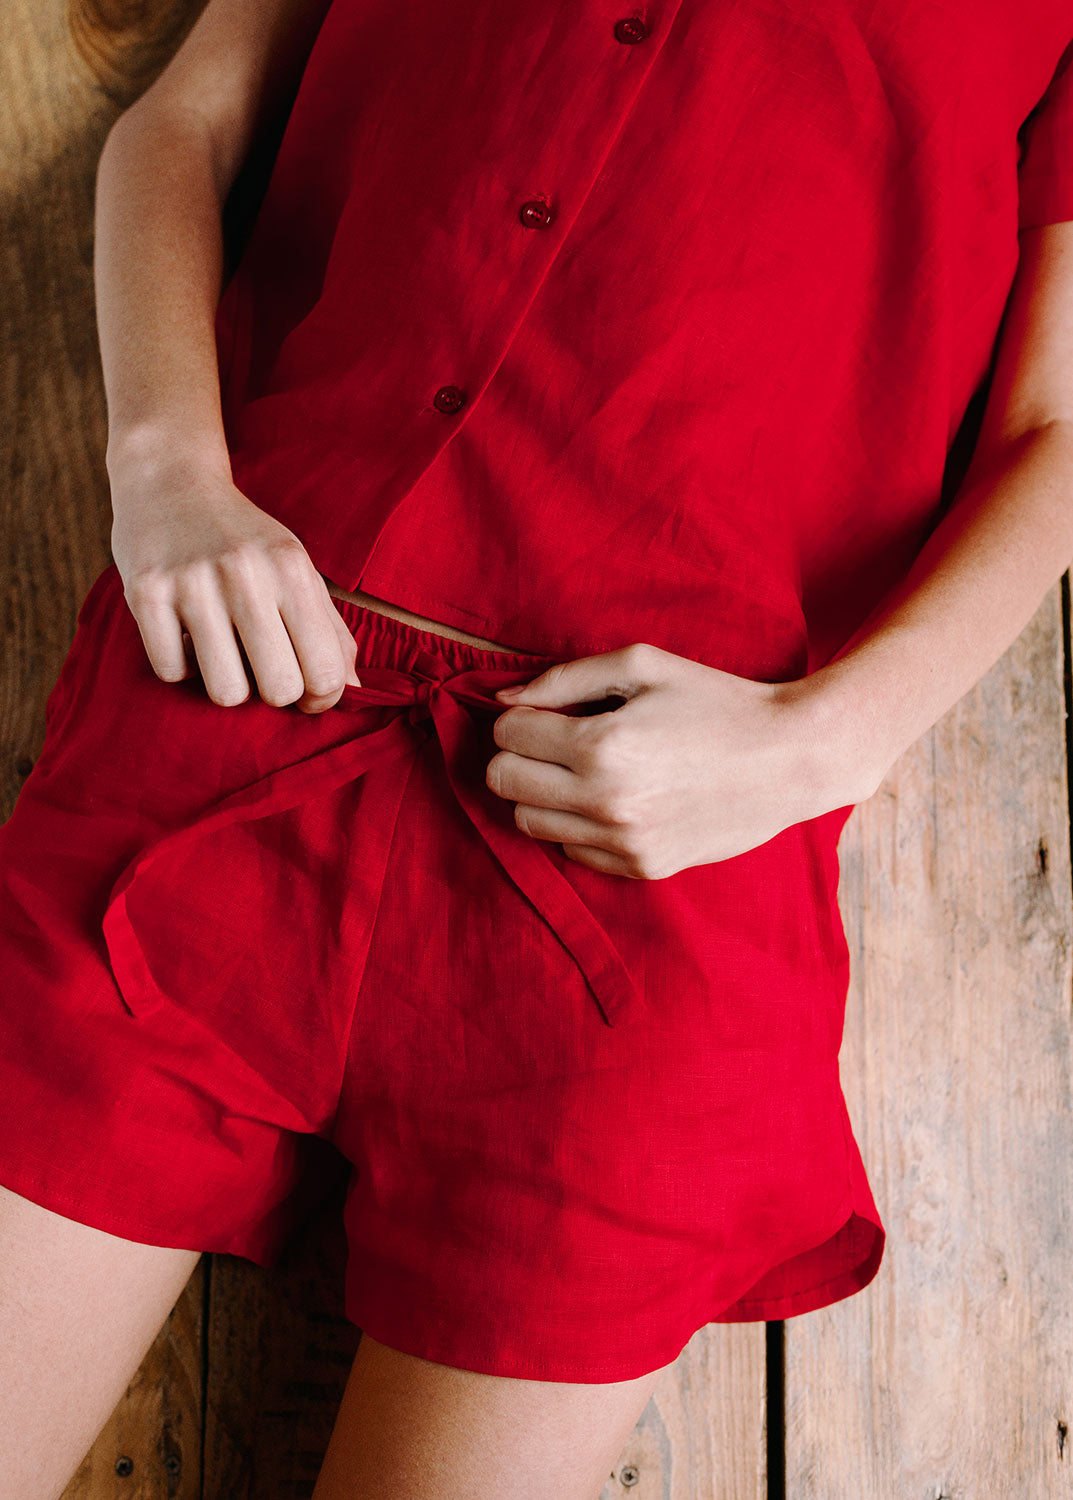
[
  {"x": 484, "y": 1360},
  {"x": 864, "y": 1256},
  {"x": 60, "y": 1199},
  {"x": 373, "y": 1314}
]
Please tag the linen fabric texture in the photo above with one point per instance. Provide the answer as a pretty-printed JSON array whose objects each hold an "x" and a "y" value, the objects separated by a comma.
[
  {"x": 248, "y": 951},
  {"x": 732, "y": 363}
]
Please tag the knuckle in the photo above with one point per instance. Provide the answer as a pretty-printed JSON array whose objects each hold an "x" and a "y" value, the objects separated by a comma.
[
  {"x": 283, "y": 691},
  {"x": 191, "y": 584},
  {"x": 322, "y": 682},
  {"x": 289, "y": 555},
  {"x": 241, "y": 561},
  {"x": 595, "y": 749},
  {"x": 148, "y": 585},
  {"x": 551, "y": 676},
  {"x": 641, "y": 654},
  {"x": 609, "y": 741},
  {"x": 615, "y": 808},
  {"x": 589, "y": 760}
]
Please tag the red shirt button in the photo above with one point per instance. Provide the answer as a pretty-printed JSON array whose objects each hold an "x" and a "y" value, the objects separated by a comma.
[
  {"x": 449, "y": 398},
  {"x": 630, "y": 29},
  {"x": 535, "y": 214}
]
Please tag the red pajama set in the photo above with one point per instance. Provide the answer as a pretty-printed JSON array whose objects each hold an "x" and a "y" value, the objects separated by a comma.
[{"x": 569, "y": 325}]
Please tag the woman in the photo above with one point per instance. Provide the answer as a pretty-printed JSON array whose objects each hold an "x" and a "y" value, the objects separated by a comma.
[{"x": 652, "y": 346}]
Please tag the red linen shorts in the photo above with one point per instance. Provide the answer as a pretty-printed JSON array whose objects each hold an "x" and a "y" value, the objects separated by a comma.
[{"x": 246, "y": 950}]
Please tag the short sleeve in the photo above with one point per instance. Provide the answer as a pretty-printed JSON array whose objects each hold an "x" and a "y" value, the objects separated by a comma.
[{"x": 1045, "y": 170}]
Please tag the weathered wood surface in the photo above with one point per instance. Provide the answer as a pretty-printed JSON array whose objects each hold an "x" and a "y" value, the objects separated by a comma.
[
  {"x": 948, "y": 1376},
  {"x": 955, "y": 1379}
]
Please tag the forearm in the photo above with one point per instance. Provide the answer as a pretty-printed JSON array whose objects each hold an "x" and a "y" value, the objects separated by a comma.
[
  {"x": 977, "y": 582},
  {"x": 158, "y": 259}
]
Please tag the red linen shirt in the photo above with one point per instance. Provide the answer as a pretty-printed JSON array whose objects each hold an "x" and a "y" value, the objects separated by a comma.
[{"x": 577, "y": 324}]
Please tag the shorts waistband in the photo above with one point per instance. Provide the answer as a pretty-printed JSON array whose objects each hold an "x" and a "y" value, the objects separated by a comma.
[{"x": 398, "y": 642}]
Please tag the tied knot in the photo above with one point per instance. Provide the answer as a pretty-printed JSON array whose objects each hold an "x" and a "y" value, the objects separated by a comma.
[{"x": 424, "y": 690}]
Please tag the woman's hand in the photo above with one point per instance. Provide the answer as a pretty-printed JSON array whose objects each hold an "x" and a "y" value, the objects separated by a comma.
[
  {"x": 696, "y": 766},
  {"x": 204, "y": 569}
]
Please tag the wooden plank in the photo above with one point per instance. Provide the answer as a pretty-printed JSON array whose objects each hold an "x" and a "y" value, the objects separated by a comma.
[
  {"x": 123, "y": 47},
  {"x": 52, "y": 432},
  {"x": 951, "y": 1374},
  {"x": 703, "y": 1434},
  {"x": 279, "y": 1353}
]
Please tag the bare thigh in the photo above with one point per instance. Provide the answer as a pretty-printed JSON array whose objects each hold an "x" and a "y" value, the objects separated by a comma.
[
  {"x": 79, "y": 1310},
  {"x": 410, "y": 1429}
]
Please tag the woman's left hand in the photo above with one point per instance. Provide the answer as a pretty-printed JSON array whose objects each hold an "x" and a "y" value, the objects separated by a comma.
[{"x": 696, "y": 766}]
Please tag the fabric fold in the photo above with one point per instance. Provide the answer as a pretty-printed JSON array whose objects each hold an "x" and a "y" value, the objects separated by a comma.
[{"x": 437, "y": 700}]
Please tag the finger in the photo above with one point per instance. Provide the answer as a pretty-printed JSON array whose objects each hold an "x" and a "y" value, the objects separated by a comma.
[
  {"x": 317, "y": 646},
  {"x": 598, "y": 859},
  {"x": 611, "y": 674},
  {"x": 555, "y": 827},
  {"x": 542, "y": 735},
  {"x": 516, "y": 778},
  {"x": 268, "y": 646},
  {"x": 162, "y": 634},
  {"x": 206, "y": 618}
]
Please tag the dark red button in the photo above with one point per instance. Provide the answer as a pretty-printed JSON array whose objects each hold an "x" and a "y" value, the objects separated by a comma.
[
  {"x": 535, "y": 214},
  {"x": 630, "y": 29},
  {"x": 449, "y": 398}
]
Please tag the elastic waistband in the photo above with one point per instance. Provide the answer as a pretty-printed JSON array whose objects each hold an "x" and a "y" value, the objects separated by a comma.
[{"x": 397, "y": 643}]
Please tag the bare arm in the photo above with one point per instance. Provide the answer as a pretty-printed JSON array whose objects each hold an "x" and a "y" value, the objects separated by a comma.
[
  {"x": 195, "y": 554},
  {"x": 988, "y": 565}
]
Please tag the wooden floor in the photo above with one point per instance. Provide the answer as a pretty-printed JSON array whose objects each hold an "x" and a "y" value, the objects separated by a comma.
[{"x": 951, "y": 1376}]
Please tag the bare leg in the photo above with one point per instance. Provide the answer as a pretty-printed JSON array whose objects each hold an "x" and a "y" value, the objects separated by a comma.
[
  {"x": 79, "y": 1310},
  {"x": 410, "y": 1429}
]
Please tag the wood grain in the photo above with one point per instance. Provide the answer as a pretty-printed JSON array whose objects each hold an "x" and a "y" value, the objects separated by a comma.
[
  {"x": 951, "y": 1375},
  {"x": 123, "y": 44},
  {"x": 280, "y": 1349},
  {"x": 703, "y": 1432}
]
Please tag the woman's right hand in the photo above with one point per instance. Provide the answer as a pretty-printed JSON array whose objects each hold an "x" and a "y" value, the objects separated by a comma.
[{"x": 201, "y": 564}]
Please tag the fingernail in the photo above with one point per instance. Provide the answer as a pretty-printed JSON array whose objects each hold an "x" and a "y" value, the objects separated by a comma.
[{"x": 509, "y": 692}]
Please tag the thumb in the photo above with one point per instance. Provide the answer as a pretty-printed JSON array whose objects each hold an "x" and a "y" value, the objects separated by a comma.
[{"x": 586, "y": 680}]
